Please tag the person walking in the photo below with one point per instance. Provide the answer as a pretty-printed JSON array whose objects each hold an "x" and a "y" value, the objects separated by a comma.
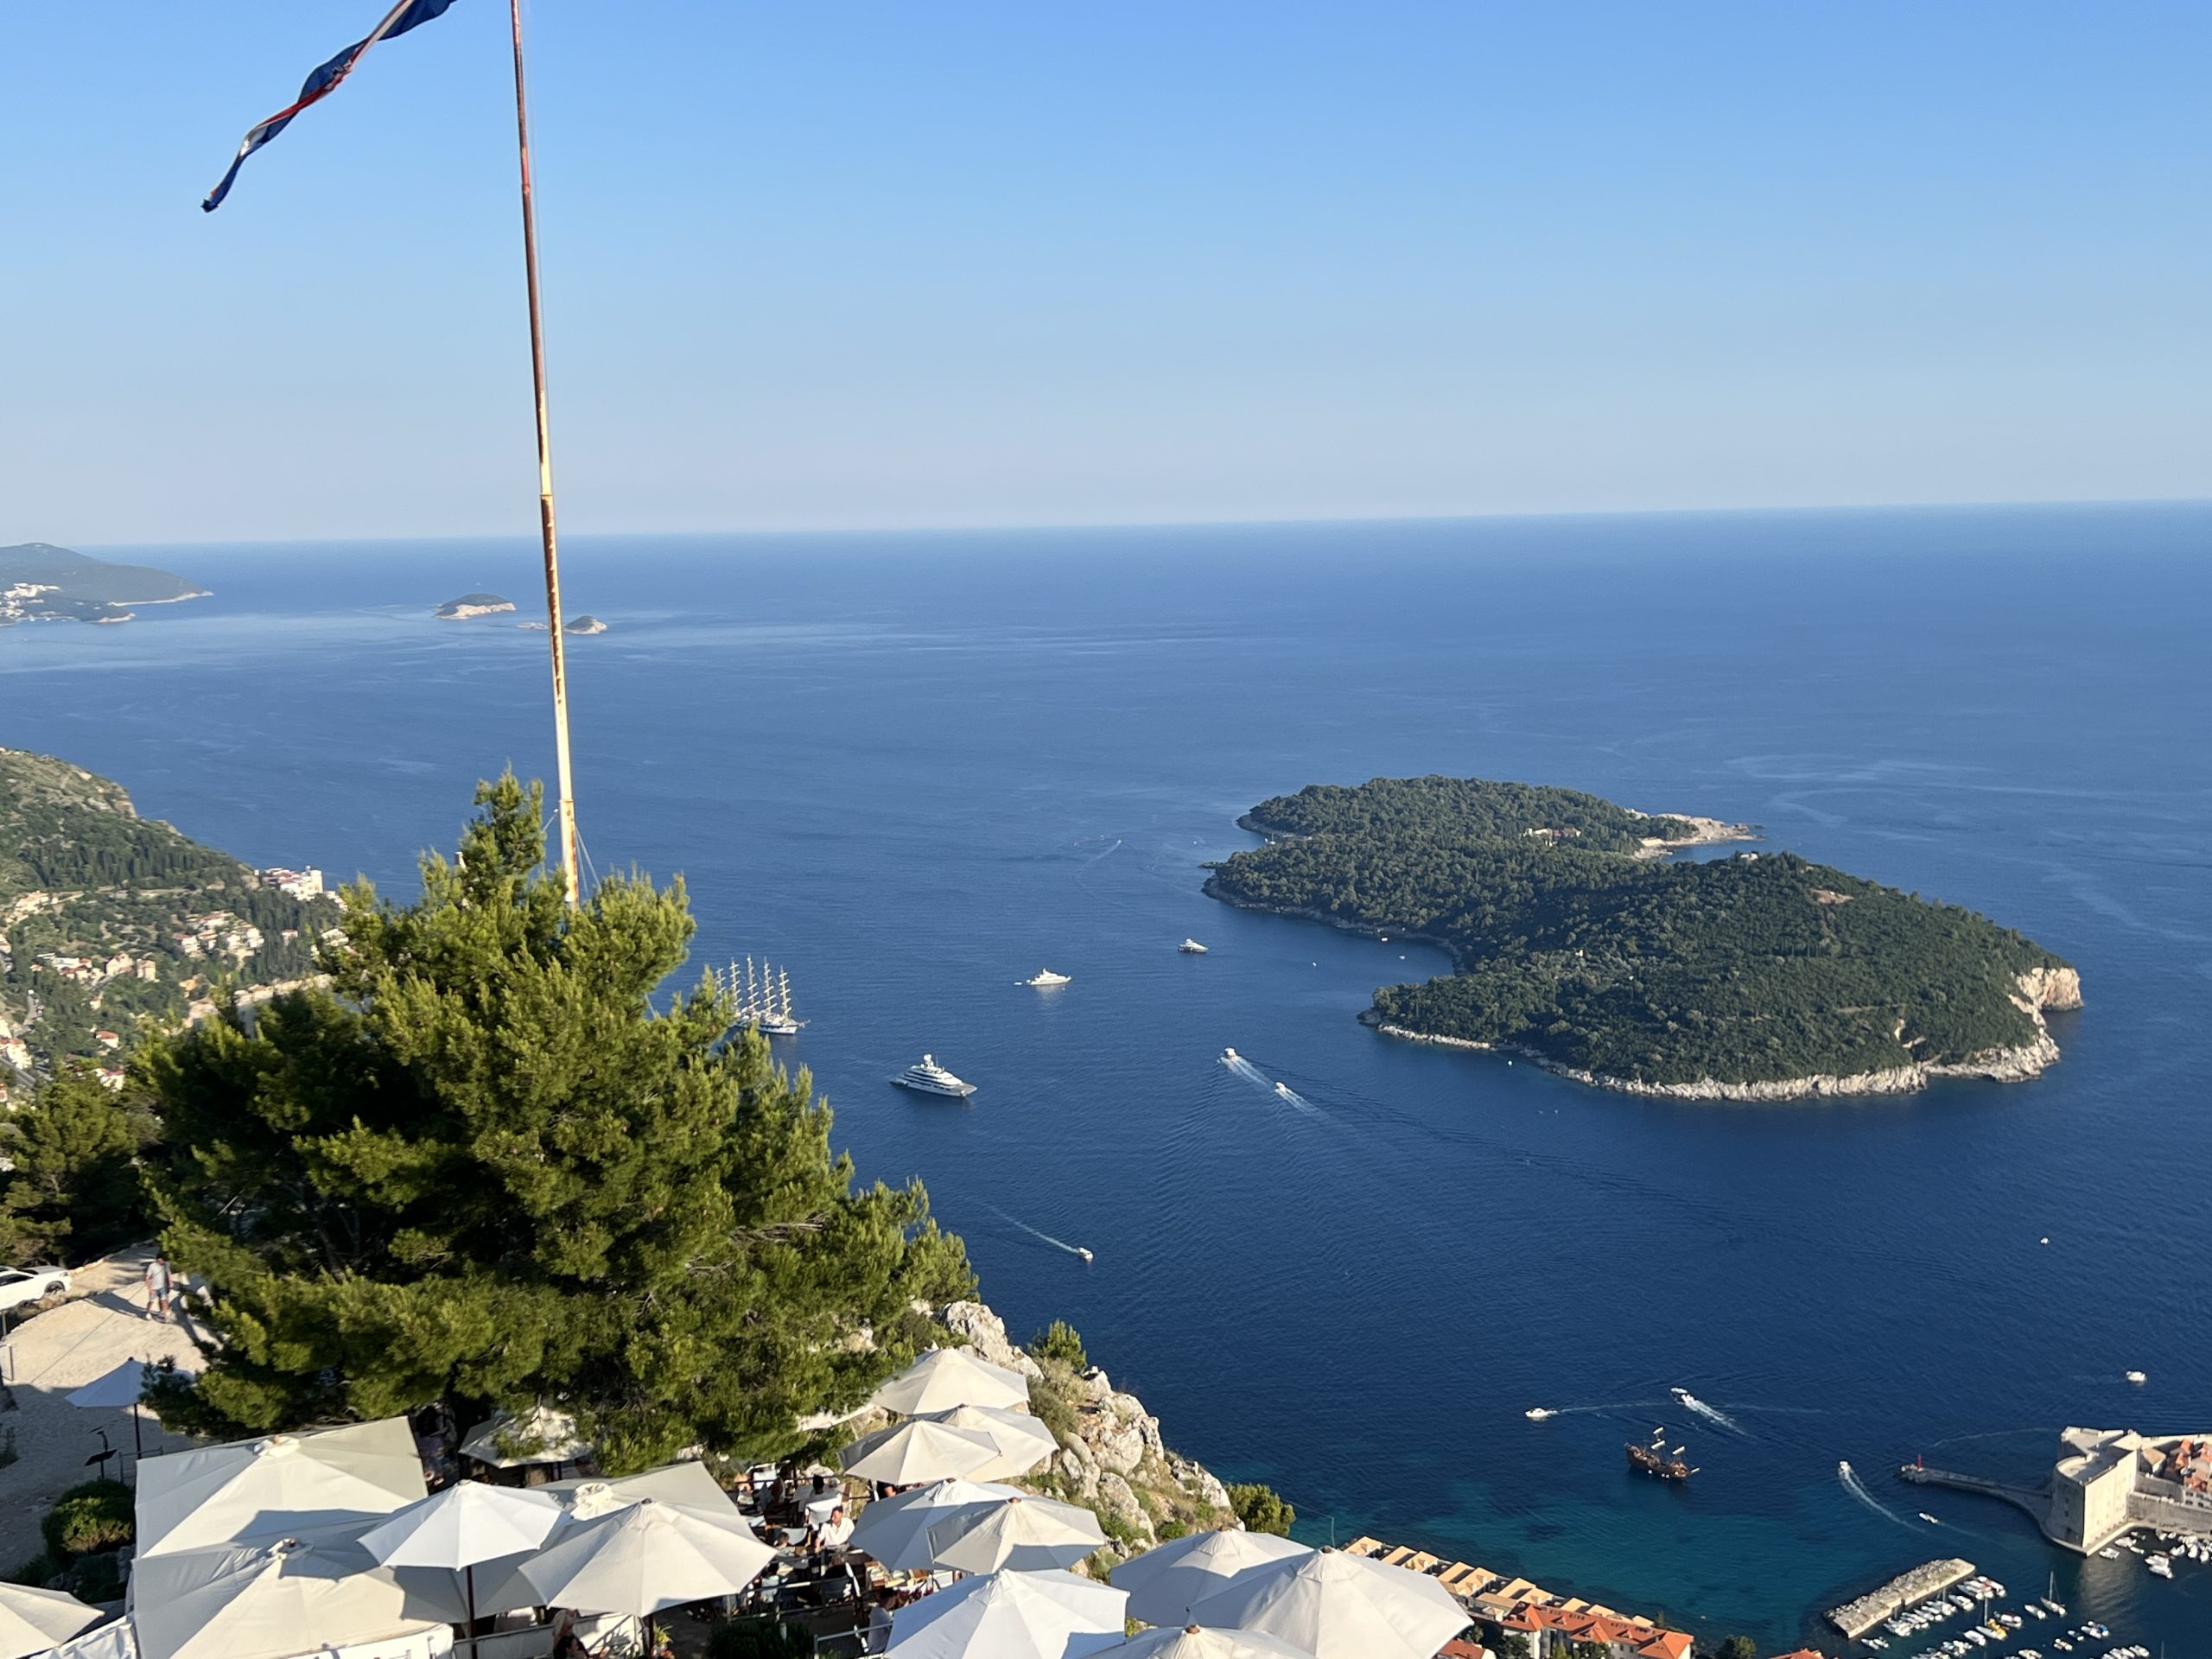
[{"x": 158, "y": 1288}]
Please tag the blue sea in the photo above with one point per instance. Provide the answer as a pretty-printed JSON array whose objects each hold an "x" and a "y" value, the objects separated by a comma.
[{"x": 915, "y": 769}]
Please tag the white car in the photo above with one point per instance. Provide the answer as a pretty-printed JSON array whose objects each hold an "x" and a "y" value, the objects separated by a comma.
[{"x": 20, "y": 1286}]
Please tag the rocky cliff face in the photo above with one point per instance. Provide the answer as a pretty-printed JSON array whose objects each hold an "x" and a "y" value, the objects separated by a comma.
[{"x": 1111, "y": 1457}]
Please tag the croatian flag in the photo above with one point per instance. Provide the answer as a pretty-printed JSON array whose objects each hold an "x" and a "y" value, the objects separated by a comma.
[{"x": 323, "y": 82}]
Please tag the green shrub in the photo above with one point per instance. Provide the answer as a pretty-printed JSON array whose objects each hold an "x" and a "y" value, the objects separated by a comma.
[
  {"x": 39, "y": 1571},
  {"x": 1053, "y": 1408},
  {"x": 1177, "y": 1527},
  {"x": 1059, "y": 1341},
  {"x": 759, "y": 1638},
  {"x": 1261, "y": 1510},
  {"x": 94, "y": 1577},
  {"x": 1739, "y": 1647},
  {"x": 87, "y": 1519}
]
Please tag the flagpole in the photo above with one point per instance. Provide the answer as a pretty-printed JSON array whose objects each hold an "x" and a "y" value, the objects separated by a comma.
[{"x": 545, "y": 484}]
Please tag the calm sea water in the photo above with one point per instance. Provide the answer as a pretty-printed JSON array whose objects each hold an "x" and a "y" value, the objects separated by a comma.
[{"x": 914, "y": 769}]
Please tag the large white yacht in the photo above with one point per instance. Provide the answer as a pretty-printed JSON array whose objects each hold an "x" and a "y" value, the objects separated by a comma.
[
  {"x": 930, "y": 1079},
  {"x": 1044, "y": 979}
]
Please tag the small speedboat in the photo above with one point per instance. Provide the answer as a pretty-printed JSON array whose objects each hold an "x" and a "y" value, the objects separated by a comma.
[
  {"x": 2138, "y": 1378},
  {"x": 1537, "y": 1414},
  {"x": 1082, "y": 1252},
  {"x": 1929, "y": 1519},
  {"x": 1192, "y": 948}
]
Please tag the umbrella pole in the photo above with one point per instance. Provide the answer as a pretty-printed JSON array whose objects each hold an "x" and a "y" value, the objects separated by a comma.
[{"x": 469, "y": 1571}]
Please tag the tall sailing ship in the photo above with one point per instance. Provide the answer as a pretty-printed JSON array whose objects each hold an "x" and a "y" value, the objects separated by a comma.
[{"x": 763, "y": 999}]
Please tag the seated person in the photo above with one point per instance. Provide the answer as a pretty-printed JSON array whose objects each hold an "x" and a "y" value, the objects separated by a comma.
[{"x": 830, "y": 1536}]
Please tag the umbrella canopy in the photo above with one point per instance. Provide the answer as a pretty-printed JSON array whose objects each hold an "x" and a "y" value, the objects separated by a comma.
[
  {"x": 896, "y": 1530},
  {"x": 31, "y": 1621},
  {"x": 270, "y": 1600},
  {"x": 647, "y": 1556},
  {"x": 1023, "y": 1442},
  {"x": 918, "y": 1450},
  {"x": 945, "y": 1377},
  {"x": 120, "y": 1387},
  {"x": 1195, "y": 1642},
  {"x": 1011, "y": 1616},
  {"x": 544, "y": 1436},
  {"x": 1164, "y": 1583},
  {"x": 276, "y": 1488},
  {"x": 465, "y": 1525},
  {"x": 1339, "y": 1606},
  {"x": 1018, "y": 1533}
]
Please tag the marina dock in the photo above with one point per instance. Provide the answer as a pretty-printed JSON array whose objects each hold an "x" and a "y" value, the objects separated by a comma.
[{"x": 1855, "y": 1618}]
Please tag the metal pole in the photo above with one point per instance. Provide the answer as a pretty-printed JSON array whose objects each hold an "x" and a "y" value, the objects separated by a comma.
[{"x": 545, "y": 485}]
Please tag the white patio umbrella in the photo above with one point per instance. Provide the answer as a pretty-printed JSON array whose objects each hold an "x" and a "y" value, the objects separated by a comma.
[
  {"x": 112, "y": 1391},
  {"x": 1338, "y": 1606},
  {"x": 463, "y": 1527},
  {"x": 273, "y": 1600},
  {"x": 1011, "y": 1616},
  {"x": 647, "y": 1556},
  {"x": 1023, "y": 1442},
  {"x": 1019, "y": 1533},
  {"x": 896, "y": 1530},
  {"x": 918, "y": 1450},
  {"x": 31, "y": 1621},
  {"x": 945, "y": 1377},
  {"x": 277, "y": 1487},
  {"x": 1164, "y": 1583},
  {"x": 544, "y": 1435},
  {"x": 1196, "y": 1641}
]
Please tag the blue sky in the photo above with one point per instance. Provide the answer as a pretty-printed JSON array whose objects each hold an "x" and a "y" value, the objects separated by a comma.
[{"x": 839, "y": 263}]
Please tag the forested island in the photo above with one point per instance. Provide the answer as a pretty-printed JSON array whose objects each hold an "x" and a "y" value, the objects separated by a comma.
[
  {"x": 40, "y": 582},
  {"x": 1758, "y": 976},
  {"x": 106, "y": 917},
  {"x": 468, "y": 605}
]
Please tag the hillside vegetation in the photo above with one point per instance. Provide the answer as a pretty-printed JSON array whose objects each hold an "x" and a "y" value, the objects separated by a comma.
[
  {"x": 1754, "y": 970},
  {"x": 106, "y": 917}
]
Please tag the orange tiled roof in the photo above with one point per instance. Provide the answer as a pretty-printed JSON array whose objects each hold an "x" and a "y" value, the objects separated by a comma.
[{"x": 1646, "y": 1641}]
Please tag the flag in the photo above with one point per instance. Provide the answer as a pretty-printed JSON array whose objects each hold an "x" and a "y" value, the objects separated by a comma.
[{"x": 323, "y": 82}]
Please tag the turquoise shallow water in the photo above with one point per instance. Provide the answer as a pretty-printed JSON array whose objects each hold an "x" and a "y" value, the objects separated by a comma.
[{"x": 916, "y": 769}]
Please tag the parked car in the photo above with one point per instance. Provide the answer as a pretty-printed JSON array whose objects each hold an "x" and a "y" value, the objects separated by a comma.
[{"x": 22, "y": 1287}]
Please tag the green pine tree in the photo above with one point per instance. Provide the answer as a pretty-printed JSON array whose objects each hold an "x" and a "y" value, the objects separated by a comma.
[
  {"x": 483, "y": 1166},
  {"x": 74, "y": 1188}
]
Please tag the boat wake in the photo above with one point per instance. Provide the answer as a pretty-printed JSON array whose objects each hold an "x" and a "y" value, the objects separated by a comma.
[
  {"x": 1689, "y": 1401},
  {"x": 1056, "y": 1243},
  {"x": 1237, "y": 1065},
  {"x": 1857, "y": 1488}
]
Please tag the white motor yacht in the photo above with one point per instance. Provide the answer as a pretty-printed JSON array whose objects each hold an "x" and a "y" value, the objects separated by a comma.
[
  {"x": 1044, "y": 979},
  {"x": 928, "y": 1078}
]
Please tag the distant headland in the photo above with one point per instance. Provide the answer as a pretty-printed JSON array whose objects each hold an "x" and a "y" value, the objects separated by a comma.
[
  {"x": 1579, "y": 944},
  {"x": 470, "y": 604},
  {"x": 40, "y": 582}
]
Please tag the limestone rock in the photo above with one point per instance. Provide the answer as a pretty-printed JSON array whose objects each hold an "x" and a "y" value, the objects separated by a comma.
[
  {"x": 1118, "y": 1499},
  {"x": 985, "y": 1333}
]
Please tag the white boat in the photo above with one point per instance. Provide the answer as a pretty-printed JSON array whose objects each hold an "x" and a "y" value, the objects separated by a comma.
[
  {"x": 1082, "y": 1252},
  {"x": 1537, "y": 1414},
  {"x": 1045, "y": 978},
  {"x": 763, "y": 1000},
  {"x": 1929, "y": 1519},
  {"x": 928, "y": 1078},
  {"x": 2138, "y": 1378},
  {"x": 1192, "y": 948},
  {"x": 1229, "y": 1057}
]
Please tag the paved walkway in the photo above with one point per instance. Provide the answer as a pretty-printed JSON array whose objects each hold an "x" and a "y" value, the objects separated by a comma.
[{"x": 44, "y": 1358}]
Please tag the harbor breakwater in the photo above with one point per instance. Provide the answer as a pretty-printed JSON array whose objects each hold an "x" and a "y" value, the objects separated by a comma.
[{"x": 1855, "y": 1618}]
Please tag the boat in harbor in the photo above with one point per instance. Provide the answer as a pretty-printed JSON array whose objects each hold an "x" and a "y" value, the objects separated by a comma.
[
  {"x": 1655, "y": 1462},
  {"x": 1192, "y": 948},
  {"x": 1044, "y": 979},
  {"x": 763, "y": 1000},
  {"x": 926, "y": 1076}
]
